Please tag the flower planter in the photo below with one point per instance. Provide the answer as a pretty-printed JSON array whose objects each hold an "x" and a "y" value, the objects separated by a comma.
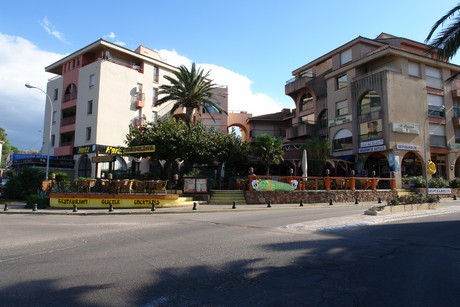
[{"x": 386, "y": 210}]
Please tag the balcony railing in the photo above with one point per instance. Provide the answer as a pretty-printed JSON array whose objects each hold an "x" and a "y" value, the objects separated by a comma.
[
  {"x": 70, "y": 96},
  {"x": 68, "y": 120}
]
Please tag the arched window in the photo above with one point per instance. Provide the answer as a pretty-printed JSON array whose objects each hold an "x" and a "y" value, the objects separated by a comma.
[
  {"x": 370, "y": 103},
  {"x": 343, "y": 140},
  {"x": 306, "y": 102},
  {"x": 84, "y": 166},
  {"x": 70, "y": 92},
  {"x": 322, "y": 119}
]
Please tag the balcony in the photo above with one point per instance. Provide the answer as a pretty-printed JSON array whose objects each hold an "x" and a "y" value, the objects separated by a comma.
[
  {"x": 70, "y": 120},
  {"x": 296, "y": 84},
  {"x": 140, "y": 100},
  {"x": 301, "y": 130},
  {"x": 455, "y": 89},
  {"x": 64, "y": 150},
  {"x": 456, "y": 117}
]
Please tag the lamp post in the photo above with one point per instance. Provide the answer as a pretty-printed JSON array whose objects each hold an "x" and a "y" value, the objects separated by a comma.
[
  {"x": 425, "y": 148},
  {"x": 50, "y": 126}
]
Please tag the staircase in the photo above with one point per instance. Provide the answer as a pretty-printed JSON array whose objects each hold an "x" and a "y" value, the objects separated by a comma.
[{"x": 227, "y": 197}]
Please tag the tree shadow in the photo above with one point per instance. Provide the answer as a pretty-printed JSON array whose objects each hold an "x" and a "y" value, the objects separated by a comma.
[
  {"x": 42, "y": 292},
  {"x": 380, "y": 265}
]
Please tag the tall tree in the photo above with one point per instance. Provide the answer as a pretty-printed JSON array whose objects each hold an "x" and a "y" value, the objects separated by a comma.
[
  {"x": 268, "y": 150},
  {"x": 7, "y": 147},
  {"x": 447, "y": 41},
  {"x": 191, "y": 89}
]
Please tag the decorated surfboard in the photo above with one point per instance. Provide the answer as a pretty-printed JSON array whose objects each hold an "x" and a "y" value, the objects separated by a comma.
[{"x": 273, "y": 185}]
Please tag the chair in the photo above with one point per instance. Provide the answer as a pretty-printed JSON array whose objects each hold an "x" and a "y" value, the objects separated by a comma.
[
  {"x": 340, "y": 183},
  {"x": 126, "y": 186},
  {"x": 105, "y": 185},
  {"x": 161, "y": 186},
  {"x": 138, "y": 186}
]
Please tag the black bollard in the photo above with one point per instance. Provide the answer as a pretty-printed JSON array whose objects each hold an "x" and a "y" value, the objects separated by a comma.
[
  {"x": 301, "y": 203},
  {"x": 356, "y": 201},
  {"x": 6, "y": 207},
  {"x": 111, "y": 208},
  {"x": 153, "y": 208},
  {"x": 455, "y": 197},
  {"x": 330, "y": 202},
  {"x": 75, "y": 208},
  {"x": 234, "y": 205},
  {"x": 379, "y": 201},
  {"x": 269, "y": 205},
  {"x": 34, "y": 208},
  {"x": 194, "y": 206}
]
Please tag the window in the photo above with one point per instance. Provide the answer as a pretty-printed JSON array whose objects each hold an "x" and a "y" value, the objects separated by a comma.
[
  {"x": 211, "y": 109},
  {"x": 343, "y": 139},
  {"x": 370, "y": 103},
  {"x": 345, "y": 56},
  {"x": 322, "y": 119},
  {"x": 435, "y": 105},
  {"x": 414, "y": 69},
  {"x": 88, "y": 133},
  {"x": 341, "y": 82},
  {"x": 433, "y": 77},
  {"x": 154, "y": 96},
  {"x": 53, "y": 140},
  {"x": 92, "y": 80},
  {"x": 341, "y": 108},
  {"x": 56, "y": 94},
  {"x": 156, "y": 73},
  {"x": 90, "y": 107},
  {"x": 154, "y": 117},
  {"x": 54, "y": 116}
]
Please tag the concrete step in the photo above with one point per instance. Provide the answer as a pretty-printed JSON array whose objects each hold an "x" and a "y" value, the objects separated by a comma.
[{"x": 227, "y": 197}]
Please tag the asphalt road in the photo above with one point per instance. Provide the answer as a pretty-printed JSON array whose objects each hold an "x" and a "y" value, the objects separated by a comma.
[{"x": 332, "y": 256}]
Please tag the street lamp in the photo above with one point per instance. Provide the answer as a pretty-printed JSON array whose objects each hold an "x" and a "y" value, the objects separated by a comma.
[
  {"x": 50, "y": 126},
  {"x": 425, "y": 148}
]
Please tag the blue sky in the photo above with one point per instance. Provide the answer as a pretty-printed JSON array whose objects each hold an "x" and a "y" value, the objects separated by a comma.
[{"x": 252, "y": 46}]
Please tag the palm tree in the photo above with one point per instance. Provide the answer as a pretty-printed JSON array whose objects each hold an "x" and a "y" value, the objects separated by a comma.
[
  {"x": 447, "y": 41},
  {"x": 269, "y": 150},
  {"x": 190, "y": 89}
]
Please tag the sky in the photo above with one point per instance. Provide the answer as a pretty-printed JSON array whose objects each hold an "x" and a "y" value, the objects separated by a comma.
[{"x": 252, "y": 46}]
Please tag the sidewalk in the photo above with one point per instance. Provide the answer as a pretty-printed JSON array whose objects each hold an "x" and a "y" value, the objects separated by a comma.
[{"x": 18, "y": 208}]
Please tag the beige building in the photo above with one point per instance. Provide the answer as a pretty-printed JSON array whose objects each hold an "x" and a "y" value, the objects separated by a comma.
[
  {"x": 384, "y": 105},
  {"x": 97, "y": 93}
]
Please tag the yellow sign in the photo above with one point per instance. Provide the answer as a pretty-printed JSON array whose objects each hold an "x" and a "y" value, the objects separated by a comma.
[
  {"x": 69, "y": 202},
  {"x": 113, "y": 150},
  {"x": 98, "y": 159},
  {"x": 138, "y": 149}
]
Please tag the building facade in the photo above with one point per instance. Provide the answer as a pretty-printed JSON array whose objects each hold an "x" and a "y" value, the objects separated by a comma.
[
  {"x": 383, "y": 104},
  {"x": 98, "y": 92}
]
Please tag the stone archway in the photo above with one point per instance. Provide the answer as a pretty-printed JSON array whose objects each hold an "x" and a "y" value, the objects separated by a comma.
[
  {"x": 239, "y": 121},
  {"x": 378, "y": 163},
  {"x": 411, "y": 165}
]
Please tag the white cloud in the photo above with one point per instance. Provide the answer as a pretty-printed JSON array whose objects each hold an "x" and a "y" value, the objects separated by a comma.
[
  {"x": 112, "y": 37},
  {"x": 22, "y": 108},
  {"x": 241, "y": 96},
  {"x": 50, "y": 29}
]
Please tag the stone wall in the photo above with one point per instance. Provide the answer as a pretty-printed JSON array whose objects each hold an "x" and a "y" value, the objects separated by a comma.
[{"x": 291, "y": 197}]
